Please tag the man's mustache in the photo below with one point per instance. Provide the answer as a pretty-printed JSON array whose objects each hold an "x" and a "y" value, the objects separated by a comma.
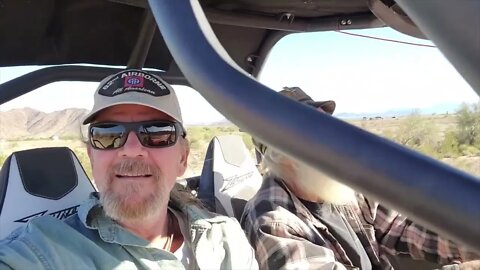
[{"x": 135, "y": 167}]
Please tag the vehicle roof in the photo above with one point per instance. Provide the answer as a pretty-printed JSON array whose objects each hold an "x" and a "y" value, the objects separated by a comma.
[{"x": 105, "y": 32}]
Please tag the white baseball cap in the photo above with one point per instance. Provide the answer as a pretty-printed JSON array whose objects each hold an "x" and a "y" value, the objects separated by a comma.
[{"x": 134, "y": 86}]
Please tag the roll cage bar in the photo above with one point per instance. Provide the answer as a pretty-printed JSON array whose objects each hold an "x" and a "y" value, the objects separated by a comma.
[{"x": 434, "y": 194}]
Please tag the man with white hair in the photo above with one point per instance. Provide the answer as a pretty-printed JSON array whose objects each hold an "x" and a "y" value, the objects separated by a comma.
[
  {"x": 140, "y": 218},
  {"x": 303, "y": 219}
]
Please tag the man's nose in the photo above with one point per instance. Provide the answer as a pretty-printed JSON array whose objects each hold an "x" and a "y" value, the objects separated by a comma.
[{"x": 133, "y": 147}]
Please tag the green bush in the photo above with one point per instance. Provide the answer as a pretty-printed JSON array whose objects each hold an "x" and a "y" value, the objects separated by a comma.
[
  {"x": 469, "y": 150},
  {"x": 468, "y": 124},
  {"x": 416, "y": 132},
  {"x": 449, "y": 146}
]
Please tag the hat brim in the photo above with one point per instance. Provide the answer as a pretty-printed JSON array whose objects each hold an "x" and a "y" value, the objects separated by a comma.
[{"x": 328, "y": 106}]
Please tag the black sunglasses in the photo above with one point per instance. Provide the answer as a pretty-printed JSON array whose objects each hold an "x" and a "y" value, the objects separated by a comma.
[{"x": 154, "y": 134}]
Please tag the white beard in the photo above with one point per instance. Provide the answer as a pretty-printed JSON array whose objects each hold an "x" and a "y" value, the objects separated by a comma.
[
  {"x": 322, "y": 187},
  {"x": 127, "y": 205},
  {"x": 307, "y": 182}
]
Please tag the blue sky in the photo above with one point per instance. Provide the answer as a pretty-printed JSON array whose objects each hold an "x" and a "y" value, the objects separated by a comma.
[
  {"x": 365, "y": 75},
  {"x": 361, "y": 75}
]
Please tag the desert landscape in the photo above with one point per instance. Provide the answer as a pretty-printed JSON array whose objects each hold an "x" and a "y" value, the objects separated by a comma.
[{"x": 451, "y": 138}]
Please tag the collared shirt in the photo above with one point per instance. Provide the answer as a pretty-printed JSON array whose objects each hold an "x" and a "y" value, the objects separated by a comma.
[
  {"x": 92, "y": 240},
  {"x": 286, "y": 235}
]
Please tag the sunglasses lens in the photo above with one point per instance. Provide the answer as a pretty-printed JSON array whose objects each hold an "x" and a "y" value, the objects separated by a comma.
[
  {"x": 160, "y": 134},
  {"x": 107, "y": 136}
]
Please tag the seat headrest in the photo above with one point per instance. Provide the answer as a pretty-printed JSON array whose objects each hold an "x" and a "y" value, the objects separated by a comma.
[
  {"x": 38, "y": 182},
  {"x": 229, "y": 176}
]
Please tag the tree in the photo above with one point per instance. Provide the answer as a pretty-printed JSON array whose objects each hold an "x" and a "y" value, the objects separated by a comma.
[
  {"x": 416, "y": 131},
  {"x": 468, "y": 124}
]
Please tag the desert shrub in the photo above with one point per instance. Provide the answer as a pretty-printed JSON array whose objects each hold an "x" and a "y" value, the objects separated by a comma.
[
  {"x": 449, "y": 146},
  {"x": 416, "y": 132},
  {"x": 477, "y": 144},
  {"x": 469, "y": 150},
  {"x": 468, "y": 124}
]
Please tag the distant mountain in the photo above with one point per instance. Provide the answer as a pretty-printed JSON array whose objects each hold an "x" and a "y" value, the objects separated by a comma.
[
  {"x": 437, "y": 109},
  {"x": 28, "y": 123},
  {"x": 444, "y": 108}
]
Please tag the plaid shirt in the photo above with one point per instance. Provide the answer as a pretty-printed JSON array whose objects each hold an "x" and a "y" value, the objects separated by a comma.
[{"x": 286, "y": 235}]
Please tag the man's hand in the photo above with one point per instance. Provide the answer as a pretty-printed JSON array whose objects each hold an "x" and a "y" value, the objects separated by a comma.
[{"x": 471, "y": 265}]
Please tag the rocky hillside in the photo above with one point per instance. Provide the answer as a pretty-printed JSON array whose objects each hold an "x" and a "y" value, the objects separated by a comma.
[{"x": 28, "y": 123}]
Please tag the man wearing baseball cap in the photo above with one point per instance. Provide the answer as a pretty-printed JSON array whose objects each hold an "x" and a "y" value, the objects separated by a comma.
[
  {"x": 139, "y": 218},
  {"x": 303, "y": 219}
]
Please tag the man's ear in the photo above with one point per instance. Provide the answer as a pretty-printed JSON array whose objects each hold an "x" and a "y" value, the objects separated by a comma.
[{"x": 183, "y": 158}]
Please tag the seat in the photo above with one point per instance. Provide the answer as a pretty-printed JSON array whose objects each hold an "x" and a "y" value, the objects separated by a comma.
[
  {"x": 229, "y": 176},
  {"x": 39, "y": 182}
]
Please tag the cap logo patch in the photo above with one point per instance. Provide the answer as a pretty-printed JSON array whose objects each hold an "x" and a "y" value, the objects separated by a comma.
[{"x": 134, "y": 81}]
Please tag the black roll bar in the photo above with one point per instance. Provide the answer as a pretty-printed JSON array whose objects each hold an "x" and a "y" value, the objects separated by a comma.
[
  {"x": 434, "y": 194},
  {"x": 33, "y": 80},
  {"x": 144, "y": 40},
  {"x": 291, "y": 24}
]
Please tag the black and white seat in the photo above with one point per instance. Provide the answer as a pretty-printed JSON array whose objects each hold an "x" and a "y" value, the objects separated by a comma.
[
  {"x": 229, "y": 176},
  {"x": 39, "y": 182}
]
